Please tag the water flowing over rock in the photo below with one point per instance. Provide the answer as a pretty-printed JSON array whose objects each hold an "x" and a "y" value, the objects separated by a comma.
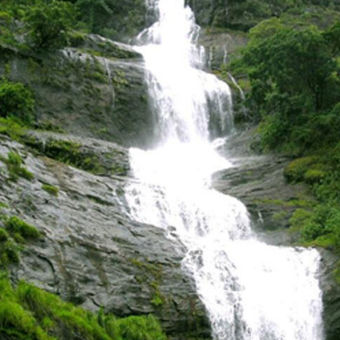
[
  {"x": 91, "y": 253},
  {"x": 250, "y": 290}
]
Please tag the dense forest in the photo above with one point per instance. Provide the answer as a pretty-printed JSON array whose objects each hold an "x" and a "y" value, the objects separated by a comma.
[{"x": 290, "y": 73}]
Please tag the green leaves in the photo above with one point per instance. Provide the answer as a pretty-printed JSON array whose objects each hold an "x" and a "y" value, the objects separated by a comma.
[
  {"x": 49, "y": 23},
  {"x": 294, "y": 87},
  {"x": 16, "y": 100}
]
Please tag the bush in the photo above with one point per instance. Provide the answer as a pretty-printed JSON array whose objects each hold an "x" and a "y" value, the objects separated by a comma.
[
  {"x": 16, "y": 100},
  {"x": 140, "y": 328},
  {"x": 295, "y": 171}
]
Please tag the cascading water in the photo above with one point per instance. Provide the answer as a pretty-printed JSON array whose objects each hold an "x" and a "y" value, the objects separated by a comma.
[{"x": 251, "y": 290}]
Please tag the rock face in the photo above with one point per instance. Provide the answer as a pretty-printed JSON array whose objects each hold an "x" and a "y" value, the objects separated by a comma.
[
  {"x": 219, "y": 44},
  {"x": 92, "y": 254},
  {"x": 96, "y": 89},
  {"x": 258, "y": 181},
  {"x": 331, "y": 296}
]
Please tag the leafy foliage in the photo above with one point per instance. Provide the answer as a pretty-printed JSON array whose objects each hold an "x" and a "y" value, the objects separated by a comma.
[
  {"x": 28, "y": 312},
  {"x": 294, "y": 85},
  {"x": 16, "y": 100},
  {"x": 49, "y": 23},
  {"x": 295, "y": 94}
]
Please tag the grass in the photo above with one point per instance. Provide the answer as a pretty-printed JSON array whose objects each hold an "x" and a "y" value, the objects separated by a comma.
[
  {"x": 27, "y": 312},
  {"x": 51, "y": 189},
  {"x": 15, "y": 167},
  {"x": 15, "y": 225}
]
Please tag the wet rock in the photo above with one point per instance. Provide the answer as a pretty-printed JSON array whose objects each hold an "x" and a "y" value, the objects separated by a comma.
[
  {"x": 258, "y": 181},
  {"x": 331, "y": 295},
  {"x": 96, "y": 156},
  {"x": 220, "y": 44},
  {"x": 97, "y": 90},
  {"x": 92, "y": 253}
]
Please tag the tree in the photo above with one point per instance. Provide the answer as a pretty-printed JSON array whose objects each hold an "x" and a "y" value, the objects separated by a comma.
[
  {"x": 294, "y": 83},
  {"x": 49, "y": 23}
]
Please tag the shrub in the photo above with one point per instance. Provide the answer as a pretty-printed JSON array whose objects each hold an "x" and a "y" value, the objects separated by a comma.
[
  {"x": 16, "y": 100},
  {"x": 140, "y": 328},
  {"x": 295, "y": 171},
  {"x": 314, "y": 176}
]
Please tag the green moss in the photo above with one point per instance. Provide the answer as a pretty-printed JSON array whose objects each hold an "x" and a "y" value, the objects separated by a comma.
[
  {"x": 52, "y": 190},
  {"x": 16, "y": 225},
  {"x": 70, "y": 153},
  {"x": 152, "y": 275},
  {"x": 15, "y": 168},
  {"x": 9, "y": 253}
]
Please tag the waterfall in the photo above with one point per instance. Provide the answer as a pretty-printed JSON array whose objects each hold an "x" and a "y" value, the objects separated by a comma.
[{"x": 250, "y": 290}]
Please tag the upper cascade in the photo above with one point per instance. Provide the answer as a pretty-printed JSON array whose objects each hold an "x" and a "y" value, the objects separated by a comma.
[{"x": 183, "y": 93}]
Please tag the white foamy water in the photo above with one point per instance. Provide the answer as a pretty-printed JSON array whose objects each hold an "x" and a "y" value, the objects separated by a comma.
[{"x": 250, "y": 290}]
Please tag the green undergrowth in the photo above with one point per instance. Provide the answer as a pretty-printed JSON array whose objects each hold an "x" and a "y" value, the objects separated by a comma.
[
  {"x": 291, "y": 65},
  {"x": 27, "y": 312},
  {"x": 13, "y": 236},
  {"x": 318, "y": 225},
  {"x": 15, "y": 167}
]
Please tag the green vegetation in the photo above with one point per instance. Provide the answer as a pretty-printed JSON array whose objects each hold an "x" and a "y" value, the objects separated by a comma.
[
  {"x": 49, "y": 23},
  {"x": 11, "y": 128},
  {"x": 9, "y": 250},
  {"x": 27, "y": 312},
  {"x": 70, "y": 153},
  {"x": 15, "y": 167},
  {"x": 16, "y": 101},
  {"x": 112, "y": 18},
  {"x": 15, "y": 225},
  {"x": 15, "y": 232},
  {"x": 151, "y": 274},
  {"x": 51, "y": 189},
  {"x": 293, "y": 71},
  {"x": 244, "y": 14},
  {"x": 294, "y": 86}
]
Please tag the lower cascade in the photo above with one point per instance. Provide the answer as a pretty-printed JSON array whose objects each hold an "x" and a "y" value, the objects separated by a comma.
[{"x": 251, "y": 290}]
